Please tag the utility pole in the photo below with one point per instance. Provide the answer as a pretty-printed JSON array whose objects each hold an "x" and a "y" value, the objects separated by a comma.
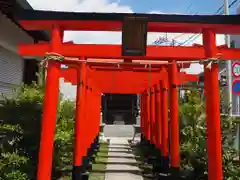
[{"x": 229, "y": 63}]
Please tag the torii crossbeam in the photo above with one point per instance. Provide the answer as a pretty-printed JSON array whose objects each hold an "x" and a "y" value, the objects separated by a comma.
[{"x": 123, "y": 82}]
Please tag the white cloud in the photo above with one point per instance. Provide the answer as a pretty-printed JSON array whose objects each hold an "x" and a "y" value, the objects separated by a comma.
[
  {"x": 68, "y": 90},
  {"x": 156, "y": 12},
  {"x": 159, "y": 12},
  {"x": 105, "y": 37},
  {"x": 83, "y": 37},
  {"x": 85, "y": 6},
  {"x": 79, "y": 5}
]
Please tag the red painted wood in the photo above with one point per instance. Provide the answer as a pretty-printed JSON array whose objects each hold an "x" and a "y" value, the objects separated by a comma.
[
  {"x": 49, "y": 112},
  {"x": 212, "y": 94},
  {"x": 164, "y": 114},
  {"x": 91, "y": 25},
  {"x": 115, "y": 52},
  {"x": 174, "y": 122}
]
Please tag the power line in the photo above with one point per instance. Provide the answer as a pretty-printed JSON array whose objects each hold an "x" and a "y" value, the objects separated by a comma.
[
  {"x": 189, "y": 39},
  {"x": 188, "y": 7},
  {"x": 218, "y": 11},
  {"x": 174, "y": 38},
  {"x": 192, "y": 38},
  {"x": 235, "y": 4},
  {"x": 196, "y": 36},
  {"x": 221, "y": 11}
]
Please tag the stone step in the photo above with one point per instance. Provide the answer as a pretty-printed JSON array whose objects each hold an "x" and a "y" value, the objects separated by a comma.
[
  {"x": 118, "y": 131},
  {"x": 121, "y": 165}
]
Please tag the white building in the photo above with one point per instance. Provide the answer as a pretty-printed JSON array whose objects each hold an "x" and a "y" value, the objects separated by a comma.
[{"x": 14, "y": 69}]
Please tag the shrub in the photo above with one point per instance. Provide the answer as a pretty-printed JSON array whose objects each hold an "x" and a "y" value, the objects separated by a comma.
[{"x": 20, "y": 134}]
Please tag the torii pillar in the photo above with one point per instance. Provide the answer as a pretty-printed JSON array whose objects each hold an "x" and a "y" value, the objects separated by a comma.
[
  {"x": 174, "y": 124},
  {"x": 80, "y": 124},
  {"x": 44, "y": 169},
  {"x": 164, "y": 88},
  {"x": 152, "y": 116},
  {"x": 211, "y": 87}
]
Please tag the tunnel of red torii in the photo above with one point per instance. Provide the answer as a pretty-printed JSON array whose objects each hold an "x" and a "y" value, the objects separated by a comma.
[
  {"x": 121, "y": 80},
  {"x": 157, "y": 95}
]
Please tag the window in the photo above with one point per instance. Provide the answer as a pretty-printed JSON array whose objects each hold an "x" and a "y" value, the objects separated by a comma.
[
  {"x": 232, "y": 44},
  {"x": 30, "y": 71}
]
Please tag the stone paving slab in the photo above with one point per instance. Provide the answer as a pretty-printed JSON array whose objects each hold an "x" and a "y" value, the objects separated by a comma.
[
  {"x": 127, "y": 168},
  {"x": 120, "y": 150},
  {"x": 118, "y": 131},
  {"x": 122, "y": 160},
  {"x": 121, "y": 154},
  {"x": 122, "y": 176},
  {"x": 122, "y": 167}
]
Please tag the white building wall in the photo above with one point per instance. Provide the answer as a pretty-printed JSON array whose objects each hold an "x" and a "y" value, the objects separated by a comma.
[{"x": 11, "y": 64}]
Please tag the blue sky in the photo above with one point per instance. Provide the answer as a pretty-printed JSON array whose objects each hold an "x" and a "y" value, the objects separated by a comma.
[
  {"x": 176, "y": 6},
  {"x": 138, "y": 6}
]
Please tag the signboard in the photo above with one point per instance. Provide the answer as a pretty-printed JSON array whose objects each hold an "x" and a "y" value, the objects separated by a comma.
[
  {"x": 236, "y": 87},
  {"x": 236, "y": 69},
  {"x": 134, "y": 36}
]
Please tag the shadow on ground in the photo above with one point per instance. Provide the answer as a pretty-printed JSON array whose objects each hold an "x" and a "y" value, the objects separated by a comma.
[{"x": 145, "y": 168}]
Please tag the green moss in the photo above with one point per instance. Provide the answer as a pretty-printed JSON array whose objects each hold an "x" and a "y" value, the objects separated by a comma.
[{"x": 100, "y": 164}]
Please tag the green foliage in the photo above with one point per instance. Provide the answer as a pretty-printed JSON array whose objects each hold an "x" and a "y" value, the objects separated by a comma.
[
  {"x": 10, "y": 164},
  {"x": 100, "y": 162},
  {"x": 20, "y": 134},
  {"x": 64, "y": 139},
  {"x": 20, "y": 124},
  {"x": 193, "y": 140}
]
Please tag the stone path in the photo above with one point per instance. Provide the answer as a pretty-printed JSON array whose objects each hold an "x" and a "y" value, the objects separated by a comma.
[
  {"x": 118, "y": 131},
  {"x": 122, "y": 164}
]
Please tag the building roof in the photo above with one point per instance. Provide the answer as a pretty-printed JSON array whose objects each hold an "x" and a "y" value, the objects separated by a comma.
[{"x": 8, "y": 7}]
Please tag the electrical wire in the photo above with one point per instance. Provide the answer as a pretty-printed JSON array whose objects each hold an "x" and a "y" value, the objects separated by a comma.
[
  {"x": 195, "y": 36},
  {"x": 233, "y": 3},
  {"x": 182, "y": 34},
  {"x": 230, "y": 6},
  {"x": 189, "y": 7},
  {"x": 187, "y": 41},
  {"x": 221, "y": 11}
]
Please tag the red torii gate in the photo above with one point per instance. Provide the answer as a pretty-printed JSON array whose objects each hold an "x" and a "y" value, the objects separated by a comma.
[
  {"x": 156, "y": 136},
  {"x": 57, "y": 22},
  {"x": 123, "y": 82}
]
